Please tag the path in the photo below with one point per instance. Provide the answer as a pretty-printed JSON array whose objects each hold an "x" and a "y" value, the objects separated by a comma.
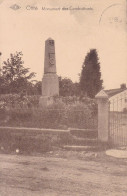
[{"x": 62, "y": 174}]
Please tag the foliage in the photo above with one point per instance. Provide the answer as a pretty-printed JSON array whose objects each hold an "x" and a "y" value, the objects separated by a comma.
[
  {"x": 9, "y": 101},
  {"x": 38, "y": 88},
  {"x": 67, "y": 87},
  {"x": 15, "y": 77},
  {"x": 90, "y": 79},
  {"x": 19, "y": 110},
  {"x": 3, "y": 85}
]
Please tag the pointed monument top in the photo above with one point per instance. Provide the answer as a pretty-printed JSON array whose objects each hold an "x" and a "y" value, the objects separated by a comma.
[{"x": 49, "y": 38}]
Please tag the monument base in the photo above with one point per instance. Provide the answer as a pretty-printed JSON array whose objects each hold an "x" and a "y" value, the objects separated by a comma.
[
  {"x": 45, "y": 101},
  {"x": 50, "y": 85}
]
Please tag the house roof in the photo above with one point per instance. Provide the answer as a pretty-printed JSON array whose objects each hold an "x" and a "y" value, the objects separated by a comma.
[{"x": 113, "y": 92}]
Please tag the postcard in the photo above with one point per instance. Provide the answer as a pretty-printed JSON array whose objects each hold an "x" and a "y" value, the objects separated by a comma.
[{"x": 44, "y": 47}]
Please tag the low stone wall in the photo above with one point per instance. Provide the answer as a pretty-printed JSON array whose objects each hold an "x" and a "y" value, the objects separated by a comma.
[
  {"x": 31, "y": 140},
  {"x": 34, "y": 140}
]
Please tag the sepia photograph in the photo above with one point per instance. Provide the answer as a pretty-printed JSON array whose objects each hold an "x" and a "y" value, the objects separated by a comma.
[{"x": 63, "y": 98}]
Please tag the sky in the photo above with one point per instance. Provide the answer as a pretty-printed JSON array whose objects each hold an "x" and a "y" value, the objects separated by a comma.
[{"x": 101, "y": 25}]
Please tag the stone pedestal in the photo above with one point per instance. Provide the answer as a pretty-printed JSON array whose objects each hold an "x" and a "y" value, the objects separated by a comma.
[
  {"x": 50, "y": 85},
  {"x": 45, "y": 101}
]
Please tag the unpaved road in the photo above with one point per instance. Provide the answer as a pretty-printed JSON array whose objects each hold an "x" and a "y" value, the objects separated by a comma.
[{"x": 62, "y": 174}]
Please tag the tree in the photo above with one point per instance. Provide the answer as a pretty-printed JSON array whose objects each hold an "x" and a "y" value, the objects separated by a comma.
[
  {"x": 16, "y": 76},
  {"x": 38, "y": 88},
  {"x": 65, "y": 87},
  {"x": 3, "y": 85},
  {"x": 68, "y": 88},
  {"x": 90, "y": 79}
]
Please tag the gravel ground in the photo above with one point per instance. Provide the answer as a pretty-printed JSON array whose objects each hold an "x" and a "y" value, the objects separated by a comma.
[{"x": 62, "y": 173}]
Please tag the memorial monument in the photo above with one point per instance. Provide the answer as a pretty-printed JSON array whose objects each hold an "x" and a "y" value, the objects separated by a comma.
[{"x": 50, "y": 82}]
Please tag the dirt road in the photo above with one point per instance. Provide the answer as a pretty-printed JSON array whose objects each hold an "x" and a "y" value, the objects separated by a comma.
[{"x": 62, "y": 174}]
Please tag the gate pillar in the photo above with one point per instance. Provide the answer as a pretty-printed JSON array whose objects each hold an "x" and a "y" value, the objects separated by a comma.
[{"x": 103, "y": 116}]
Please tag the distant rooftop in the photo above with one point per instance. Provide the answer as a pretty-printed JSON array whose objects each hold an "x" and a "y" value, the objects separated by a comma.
[{"x": 112, "y": 92}]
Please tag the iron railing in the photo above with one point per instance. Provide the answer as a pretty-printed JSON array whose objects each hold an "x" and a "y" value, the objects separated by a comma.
[{"x": 118, "y": 119}]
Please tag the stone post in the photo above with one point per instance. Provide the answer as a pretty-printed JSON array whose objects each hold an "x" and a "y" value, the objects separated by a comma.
[{"x": 103, "y": 116}]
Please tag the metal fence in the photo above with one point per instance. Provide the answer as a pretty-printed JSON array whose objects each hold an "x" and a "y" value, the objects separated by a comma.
[{"x": 118, "y": 119}]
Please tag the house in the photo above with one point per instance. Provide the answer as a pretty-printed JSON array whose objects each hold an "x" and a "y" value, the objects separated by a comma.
[{"x": 118, "y": 98}]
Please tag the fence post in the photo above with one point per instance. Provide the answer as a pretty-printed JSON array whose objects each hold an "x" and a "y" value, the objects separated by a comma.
[{"x": 103, "y": 118}]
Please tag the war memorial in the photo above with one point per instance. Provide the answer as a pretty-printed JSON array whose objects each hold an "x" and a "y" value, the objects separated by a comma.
[{"x": 50, "y": 82}]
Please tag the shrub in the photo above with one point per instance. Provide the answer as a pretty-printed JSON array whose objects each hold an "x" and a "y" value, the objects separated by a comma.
[{"x": 20, "y": 110}]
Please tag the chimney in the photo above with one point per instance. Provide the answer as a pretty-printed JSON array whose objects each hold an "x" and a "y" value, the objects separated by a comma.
[{"x": 123, "y": 86}]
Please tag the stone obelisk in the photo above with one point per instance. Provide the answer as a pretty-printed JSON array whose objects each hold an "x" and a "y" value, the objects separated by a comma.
[{"x": 50, "y": 82}]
